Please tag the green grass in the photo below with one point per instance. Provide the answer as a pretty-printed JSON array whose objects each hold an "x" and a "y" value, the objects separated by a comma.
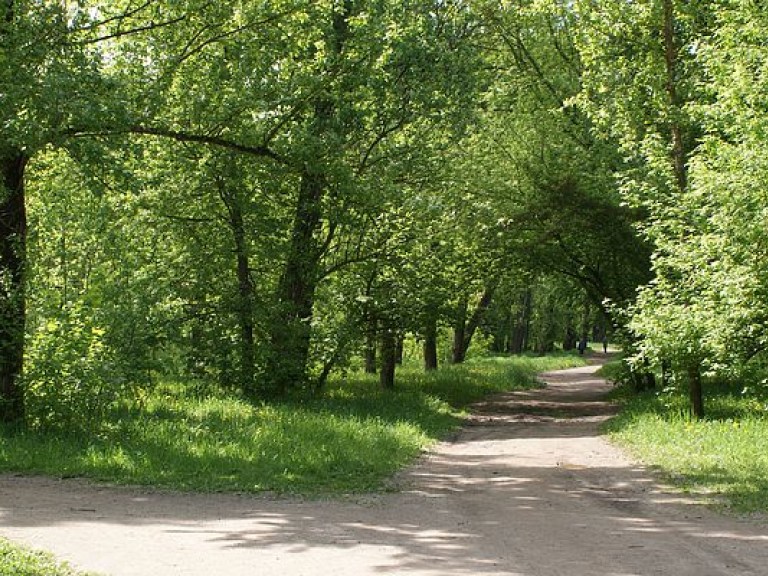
[
  {"x": 724, "y": 457},
  {"x": 21, "y": 561},
  {"x": 352, "y": 439}
]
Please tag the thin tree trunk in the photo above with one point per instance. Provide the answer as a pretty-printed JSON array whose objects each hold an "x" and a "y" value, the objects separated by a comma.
[
  {"x": 399, "y": 345},
  {"x": 519, "y": 336},
  {"x": 430, "y": 345},
  {"x": 695, "y": 391},
  {"x": 679, "y": 155},
  {"x": 459, "y": 331},
  {"x": 388, "y": 358},
  {"x": 13, "y": 235},
  {"x": 370, "y": 344},
  {"x": 245, "y": 294}
]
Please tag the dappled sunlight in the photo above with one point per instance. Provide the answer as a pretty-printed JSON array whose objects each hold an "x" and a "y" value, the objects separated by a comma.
[{"x": 529, "y": 496}]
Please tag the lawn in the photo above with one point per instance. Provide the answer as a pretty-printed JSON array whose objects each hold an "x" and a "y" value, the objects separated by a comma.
[{"x": 723, "y": 457}]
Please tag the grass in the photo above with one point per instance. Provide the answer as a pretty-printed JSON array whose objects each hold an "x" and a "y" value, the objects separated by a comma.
[
  {"x": 352, "y": 439},
  {"x": 724, "y": 457},
  {"x": 21, "y": 561}
]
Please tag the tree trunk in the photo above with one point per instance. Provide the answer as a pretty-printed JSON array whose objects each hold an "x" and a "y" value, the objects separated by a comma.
[
  {"x": 388, "y": 358},
  {"x": 695, "y": 391},
  {"x": 245, "y": 295},
  {"x": 370, "y": 345},
  {"x": 430, "y": 345},
  {"x": 518, "y": 341},
  {"x": 290, "y": 330},
  {"x": 679, "y": 153},
  {"x": 459, "y": 331},
  {"x": 399, "y": 345},
  {"x": 13, "y": 235},
  {"x": 569, "y": 341},
  {"x": 465, "y": 330}
]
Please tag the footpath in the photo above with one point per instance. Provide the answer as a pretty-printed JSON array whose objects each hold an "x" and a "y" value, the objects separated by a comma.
[{"x": 527, "y": 488}]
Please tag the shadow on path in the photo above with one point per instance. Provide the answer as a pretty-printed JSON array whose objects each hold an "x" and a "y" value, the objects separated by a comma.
[{"x": 527, "y": 488}]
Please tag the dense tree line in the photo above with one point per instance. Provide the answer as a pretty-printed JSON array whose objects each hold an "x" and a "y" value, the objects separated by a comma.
[{"x": 258, "y": 193}]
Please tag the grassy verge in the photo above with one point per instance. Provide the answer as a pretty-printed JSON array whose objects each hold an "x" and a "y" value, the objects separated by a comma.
[
  {"x": 350, "y": 440},
  {"x": 723, "y": 457},
  {"x": 21, "y": 561}
]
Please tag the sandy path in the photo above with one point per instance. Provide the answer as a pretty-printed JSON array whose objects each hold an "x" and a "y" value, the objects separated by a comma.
[{"x": 527, "y": 488}]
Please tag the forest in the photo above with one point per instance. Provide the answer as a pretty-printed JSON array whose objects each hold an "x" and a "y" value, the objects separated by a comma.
[{"x": 252, "y": 198}]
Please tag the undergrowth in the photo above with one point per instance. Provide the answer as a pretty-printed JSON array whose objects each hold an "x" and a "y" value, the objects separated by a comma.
[
  {"x": 351, "y": 439},
  {"x": 722, "y": 457},
  {"x": 21, "y": 561}
]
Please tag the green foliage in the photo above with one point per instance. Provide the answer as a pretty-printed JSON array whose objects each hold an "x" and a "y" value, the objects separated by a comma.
[
  {"x": 615, "y": 371},
  {"x": 722, "y": 457},
  {"x": 21, "y": 561},
  {"x": 72, "y": 380},
  {"x": 351, "y": 439}
]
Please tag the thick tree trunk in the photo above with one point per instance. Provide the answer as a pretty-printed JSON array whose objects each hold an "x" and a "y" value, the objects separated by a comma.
[
  {"x": 290, "y": 330},
  {"x": 430, "y": 345},
  {"x": 388, "y": 359},
  {"x": 13, "y": 234}
]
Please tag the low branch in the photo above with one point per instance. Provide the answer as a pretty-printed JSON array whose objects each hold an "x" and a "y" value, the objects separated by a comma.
[
  {"x": 261, "y": 151},
  {"x": 137, "y": 30}
]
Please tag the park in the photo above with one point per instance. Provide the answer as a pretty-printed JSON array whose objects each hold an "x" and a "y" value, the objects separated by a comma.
[{"x": 410, "y": 287}]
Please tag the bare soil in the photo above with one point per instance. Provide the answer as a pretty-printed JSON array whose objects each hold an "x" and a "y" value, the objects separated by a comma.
[{"x": 527, "y": 488}]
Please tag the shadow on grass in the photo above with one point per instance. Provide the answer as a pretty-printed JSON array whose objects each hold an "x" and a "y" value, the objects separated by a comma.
[
  {"x": 721, "y": 457},
  {"x": 352, "y": 439}
]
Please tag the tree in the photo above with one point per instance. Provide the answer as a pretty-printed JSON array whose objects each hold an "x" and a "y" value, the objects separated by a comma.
[
  {"x": 644, "y": 104},
  {"x": 37, "y": 70}
]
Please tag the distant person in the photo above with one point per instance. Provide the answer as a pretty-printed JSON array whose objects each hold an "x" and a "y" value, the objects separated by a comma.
[
  {"x": 582, "y": 345},
  {"x": 605, "y": 344}
]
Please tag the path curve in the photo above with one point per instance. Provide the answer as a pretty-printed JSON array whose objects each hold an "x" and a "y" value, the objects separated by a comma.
[{"x": 527, "y": 488}]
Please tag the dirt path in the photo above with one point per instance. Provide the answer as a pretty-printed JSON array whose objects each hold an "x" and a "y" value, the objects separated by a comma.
[{"x": 528, "y": 488}]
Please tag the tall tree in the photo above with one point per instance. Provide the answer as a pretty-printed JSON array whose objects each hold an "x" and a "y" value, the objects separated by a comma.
[{"x": 645, "y": 104}]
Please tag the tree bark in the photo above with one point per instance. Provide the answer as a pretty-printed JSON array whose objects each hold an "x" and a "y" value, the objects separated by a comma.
[
  {"x": 430, "y": 345},
  {"x": 399, "y": 345},
  {"x": 244, "y": 308},
  {"x": 13, "y": 235},
  {"x": 459, "y": 331},
  {"x": 370, "y": 344},
  {"x": 679, "y": 155},
  {"x": 290, "y": 330},
  {"x": 518, "y": 341}
]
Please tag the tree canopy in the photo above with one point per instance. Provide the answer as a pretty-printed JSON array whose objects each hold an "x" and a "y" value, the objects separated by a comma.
[{"x": 256, "y": 194}]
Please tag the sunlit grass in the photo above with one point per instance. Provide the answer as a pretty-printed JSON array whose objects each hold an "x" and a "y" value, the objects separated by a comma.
[
  {"x": 724, "y": 457},
  {"x": 18, "y": 560},
  {"x": 351, "y": 439}
]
